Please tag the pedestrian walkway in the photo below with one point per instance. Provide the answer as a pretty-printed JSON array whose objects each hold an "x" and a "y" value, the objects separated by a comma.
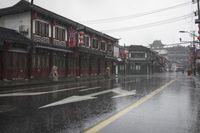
[
  {"x": 17, "y": 83},
  {"x": 175, "y": 109}
]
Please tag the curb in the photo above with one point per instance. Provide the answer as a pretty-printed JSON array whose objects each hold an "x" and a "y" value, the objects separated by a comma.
[{"x": 10, "y": 84}]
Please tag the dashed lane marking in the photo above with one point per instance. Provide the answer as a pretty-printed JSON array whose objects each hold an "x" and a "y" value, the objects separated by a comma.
[{"x": 113, "y": 118}]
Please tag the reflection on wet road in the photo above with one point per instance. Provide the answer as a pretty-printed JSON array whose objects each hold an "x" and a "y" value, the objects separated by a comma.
[{"x": 75, "y": 107}]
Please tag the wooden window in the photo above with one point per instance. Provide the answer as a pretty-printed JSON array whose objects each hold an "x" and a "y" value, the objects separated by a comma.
[
  {"x": 95, "y": 43},
  {"x": 109, "y": 47},
  {"x": 132, "y": 55},
  {"x": 60, "y": 34},
  {"x": 138, "y": 67},
  {"x": 86, "y": 40},
  {"x": 91, "y": 43},
  {"x": 103, "y": 45},
  {"x": 41, "y": 28}
]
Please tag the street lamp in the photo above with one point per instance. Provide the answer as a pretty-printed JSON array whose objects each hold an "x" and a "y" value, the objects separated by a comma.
[
  {"x": 194, "y": 48},
  {"x": 192, "y": 33}
]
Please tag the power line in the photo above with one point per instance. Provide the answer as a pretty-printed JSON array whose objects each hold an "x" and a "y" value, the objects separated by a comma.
[
  {"x": 158, "y": 23},
  {"x": 122, "y": 18},
  {"x": 177, "y": 44}
]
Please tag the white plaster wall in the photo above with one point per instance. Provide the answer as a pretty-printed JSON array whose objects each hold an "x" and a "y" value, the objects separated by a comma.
[
  {"x": 14, "y": 21},
  {"x": 116, "y": 51}
]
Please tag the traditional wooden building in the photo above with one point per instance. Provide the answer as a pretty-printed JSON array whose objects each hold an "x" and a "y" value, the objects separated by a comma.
[
  {"x": 122, "y": 60},
  {"x": 14, "y": 55},
  {"x": 75, "y": 49},
  {"x": 140, "y": 60}
]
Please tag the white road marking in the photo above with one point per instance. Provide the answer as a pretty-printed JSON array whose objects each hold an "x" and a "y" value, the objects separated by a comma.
[
  {"x": 34, "y": 88},
  {"x": 93, "y": 88},
  {"x": 109, "y": 120},
  {"x": 123, "y": 93},
  {"x": 72, "y": 99},
  {"x": 39, "y": 93},
  {"x": 68, "y": 100}
]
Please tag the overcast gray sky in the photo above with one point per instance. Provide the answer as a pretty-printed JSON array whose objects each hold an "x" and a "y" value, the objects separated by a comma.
[{"x": 136, "y": 22}]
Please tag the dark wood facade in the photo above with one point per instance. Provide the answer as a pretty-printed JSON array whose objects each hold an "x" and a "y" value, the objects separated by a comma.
[
  {"x": 75, "y": 49},
  {"x": 14, "y": 55},
  {"x": 141, "y": 60}
]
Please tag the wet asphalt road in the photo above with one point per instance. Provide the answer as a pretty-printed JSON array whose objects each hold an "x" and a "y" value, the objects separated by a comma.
[
  {"x": 75, "y": 107},
  {"x": 174, "y": 110}
]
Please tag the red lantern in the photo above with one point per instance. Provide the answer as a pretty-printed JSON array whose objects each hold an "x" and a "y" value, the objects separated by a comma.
[
  {"x": 81, "y": 33},
  {"x": 81, "y": 38}
]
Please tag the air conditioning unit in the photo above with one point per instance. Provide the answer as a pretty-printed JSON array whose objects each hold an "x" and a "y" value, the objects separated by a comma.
[{"x": 23, "y": 29}]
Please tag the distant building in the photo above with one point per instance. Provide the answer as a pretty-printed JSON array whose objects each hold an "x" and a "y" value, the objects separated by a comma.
[
  {"x": 177, "y": 56},
  {"x": 140, "y": 60},
  {"x": 122, "y": 60}
]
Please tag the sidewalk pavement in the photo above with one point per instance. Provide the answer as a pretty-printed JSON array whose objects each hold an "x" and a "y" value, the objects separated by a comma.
[
  {"x": 197, "y": 80},
  {"x": 18, "y": 83}
]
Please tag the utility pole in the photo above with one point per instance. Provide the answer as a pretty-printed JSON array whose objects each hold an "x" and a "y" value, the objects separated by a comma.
[
  {"x": 125, "y": 60},
  {"x": 31, "y": 2},
  {"x": 194, "y": 48},
  {"x": 198, "y": 9},
  {"x": 194, "y": 53},
  {"x": 196, "y": 21}
]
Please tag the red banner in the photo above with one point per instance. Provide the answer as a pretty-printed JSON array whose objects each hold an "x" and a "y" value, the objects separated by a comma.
[{"x": 72, "y": 38}]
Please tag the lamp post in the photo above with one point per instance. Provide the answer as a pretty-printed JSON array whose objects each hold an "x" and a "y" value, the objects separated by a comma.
[
  {"x": 194, "y": 48},
  {"x": 192, "y": 33}
]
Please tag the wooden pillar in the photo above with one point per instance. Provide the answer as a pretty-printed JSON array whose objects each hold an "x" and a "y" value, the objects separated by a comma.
[
  {"x": 77, "y": 64},
  {"x": 3, "y": 73},
  {"x": 90, "y": 65},
  {"x": 1, "y": 66},
  {"x": 50, "y": 60},
  {"x": 29, "y": 64},
  {"x": 98, "y": 66},
  {"x": 66, "y": 64},
  {"x": 80, "y": 65}
]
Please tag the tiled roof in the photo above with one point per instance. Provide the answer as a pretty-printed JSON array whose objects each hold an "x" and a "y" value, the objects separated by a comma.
[
  {"x": 137, "y": 47},
  {"x": 13, "y": 36},
  {"x": 23, "y": 6}
]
